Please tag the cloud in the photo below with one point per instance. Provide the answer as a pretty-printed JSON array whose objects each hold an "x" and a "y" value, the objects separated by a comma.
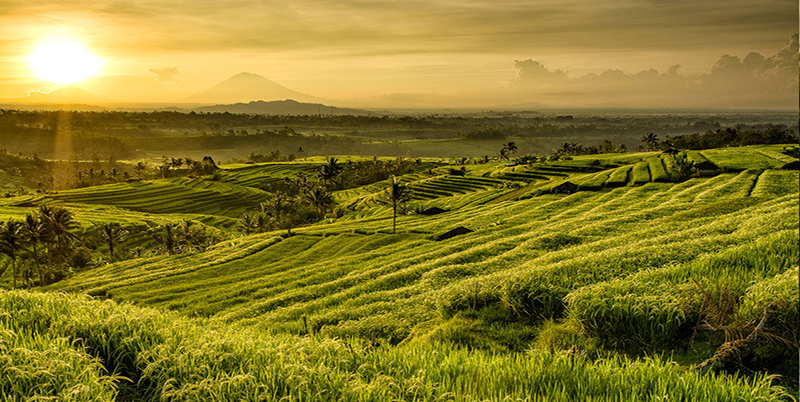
[
  {"x": 752, "y": 81},
  {"x": 531, "y": 72},
  {"x": 166, "y": 74}
]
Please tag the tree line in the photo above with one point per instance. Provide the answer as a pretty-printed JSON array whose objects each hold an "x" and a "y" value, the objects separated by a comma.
[
  {"x": 303, "y": 199},
  {"x": 49, "y": 244}
]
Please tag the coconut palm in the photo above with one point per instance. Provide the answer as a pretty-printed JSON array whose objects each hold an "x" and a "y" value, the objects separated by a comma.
[
  {"x": 246, "y": 223},
  {"x": 166, "y": 235},
  {"x": 35, "y": 232},
  {"x": 682, "y": 168},
  {"x": 511, "y": 147},
  {"x": 11, "y": 243},
  {"x": 113, "y": 235},
  {"x": 330, "y": 171},
  {"x": 395, "y": 195},
  {"x": 59, "y": 224},
  {"x": 651, "y": 140},
  {"x": 139, "y": 168},
  {"x": 320, "y": 199}
]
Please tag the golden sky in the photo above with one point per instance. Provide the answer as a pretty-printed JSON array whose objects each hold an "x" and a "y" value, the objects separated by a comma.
[{"x": 459, "y": 52}]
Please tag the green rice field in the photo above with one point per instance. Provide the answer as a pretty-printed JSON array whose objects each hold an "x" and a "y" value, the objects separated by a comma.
[{"x": 616, "y": 291}]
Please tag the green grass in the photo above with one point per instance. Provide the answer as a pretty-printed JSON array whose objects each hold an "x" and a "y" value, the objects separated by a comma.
[
  {"x": 343, "y": 275},
  {"x": 749, "y": 157},
  {"x": 618, "y": 260},
  {"x": 172, "y": 358},
  {"x": 657, "y": 307}
]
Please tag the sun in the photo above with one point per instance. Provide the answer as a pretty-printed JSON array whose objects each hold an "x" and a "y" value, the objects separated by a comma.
[{"x": 63, "y": 61}]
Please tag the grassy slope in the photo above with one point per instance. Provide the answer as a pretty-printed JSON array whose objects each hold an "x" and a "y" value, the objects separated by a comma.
[
  {"x": 549, "y": 256},
  {"x": 54, "y": 345},
  {"x": 352, "y": 277}
]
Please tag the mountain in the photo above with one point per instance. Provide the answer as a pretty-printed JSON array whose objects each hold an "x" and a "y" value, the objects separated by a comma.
[
  {"x": 288, "y": 106},
  {"x": 68, "y": 94},
  {"x": 246, "y": 87}
]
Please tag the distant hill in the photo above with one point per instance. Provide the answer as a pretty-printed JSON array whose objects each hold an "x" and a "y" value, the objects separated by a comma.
[
  {"x": 63, "y": 96},
  {"x": 246, "y": 87},
  {"x": 288, "y": 106}
]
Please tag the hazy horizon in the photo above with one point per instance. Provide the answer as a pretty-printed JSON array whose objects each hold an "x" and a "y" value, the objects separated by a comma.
[{"x": 623, "y": 53}]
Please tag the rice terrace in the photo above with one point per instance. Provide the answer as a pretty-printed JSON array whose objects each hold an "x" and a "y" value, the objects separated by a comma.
[{"x": 440, "y": 201}]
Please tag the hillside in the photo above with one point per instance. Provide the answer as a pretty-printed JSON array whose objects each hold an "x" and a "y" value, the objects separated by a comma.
[
  {"x": 634, "y": 263},
  {"x": 78, "y": 349},
  {"x": 246, "y": 87},
  {"x": 288, "y": 106}
]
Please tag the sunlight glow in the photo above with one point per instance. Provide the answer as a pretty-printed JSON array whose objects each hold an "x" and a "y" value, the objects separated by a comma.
[{"x": 63, "y": 61}]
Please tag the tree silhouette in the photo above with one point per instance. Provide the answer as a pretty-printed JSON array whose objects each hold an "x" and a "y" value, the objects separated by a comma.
[
  {"x": 139, "y": 168},
  {"x": 395, "y": 195},
  {"x": 11, "y": 243},
  {"x": 650, "y": 140},
  {"x": 35, "y": 233},
  {"x": 113, "y": 235},
  {"x": 330, "y": 171},
  {"x": 320, "y": 199},
  {"x": 510, "y": 147},
  {"x": 59, "y": 224}
]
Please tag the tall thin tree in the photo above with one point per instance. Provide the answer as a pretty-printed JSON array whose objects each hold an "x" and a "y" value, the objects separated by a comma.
[
  {"x": 35, "y": 234},
  {"x": 395, "y": 195},
  {"x": 11, "y": 243},
  {"x": 113, "y": 235}
]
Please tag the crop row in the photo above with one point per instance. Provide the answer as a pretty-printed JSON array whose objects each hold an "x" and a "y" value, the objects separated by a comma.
[
  {"x": 352, "y": 277},
  {"x": 62, "y": 340}
]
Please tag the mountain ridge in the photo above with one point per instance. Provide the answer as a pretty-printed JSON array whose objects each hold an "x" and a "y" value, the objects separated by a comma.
[{"x": 246, "y": 87}]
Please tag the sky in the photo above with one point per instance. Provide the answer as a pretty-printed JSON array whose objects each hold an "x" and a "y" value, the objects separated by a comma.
[{"x": 659, "y": 53}]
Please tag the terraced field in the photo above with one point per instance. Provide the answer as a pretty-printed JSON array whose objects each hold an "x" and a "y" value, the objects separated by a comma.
[
  {"x": 631, "y": 264},
  {"x": 81, "y": 349},
  {"x": 262, "y": 174},
  {"x": 353, "y": 278},
  {"x": 167, "y": 196}
]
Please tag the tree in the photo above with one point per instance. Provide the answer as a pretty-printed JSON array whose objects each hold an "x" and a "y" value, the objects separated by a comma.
[
  {"x": 59, "y": 225},
  {"x": 330, "y": 171},
  {"x": 35, "y": 233},
  {"x": 11, "y": 243},
  {"x": 651, "y": 141},
  {"x": 510, "y": 147},
  {"x": 166, "y": 235},
  {"x": 395, "y": 195},
  {"x": 113, "y": 235},
  {"x": 682, "y": 168},
  {"x": 320, "y": 199},
  {"x": 246, "y": 223},
  {"x": 139, "y": 168}
]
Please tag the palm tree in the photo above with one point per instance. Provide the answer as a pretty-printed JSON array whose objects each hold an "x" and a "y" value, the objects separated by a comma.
[
  {"x": 246, "y": 223},
  {"x": 113, "y": 235},
  {"x": 682, "y": 168},
  {"x": 139, "y": 168},
  {"x": 330, "y": 171},
  {"x": 167, "y": 237},
  {"x": 59, "y": 224},
  {"x": 11, "y": 243},
  {"x": 510, "y": 147},
  {"x": 320, "y": 199},
  {"x": 35, "y": 233},
  {"x": 262, "y": 222},
  {"x": 651, "y": 140},
  {"x": 395, "y": 195}
]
